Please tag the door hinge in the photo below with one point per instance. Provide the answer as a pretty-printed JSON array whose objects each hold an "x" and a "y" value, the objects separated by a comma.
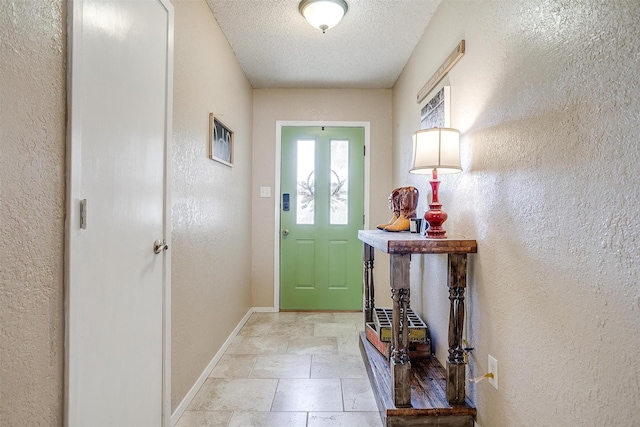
[
  {"x": 364, "y": 150},
  {"x": 363, "y": 217},
  {"x": 83, "y": 214}
]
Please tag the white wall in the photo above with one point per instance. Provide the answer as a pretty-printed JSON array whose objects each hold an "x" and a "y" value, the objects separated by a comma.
[
  {"x": 271, "y": 105},
  {"x": 547, "y": 99},
  {"x": 32, "y": 192},
  {"x": 211, "y": 202}
]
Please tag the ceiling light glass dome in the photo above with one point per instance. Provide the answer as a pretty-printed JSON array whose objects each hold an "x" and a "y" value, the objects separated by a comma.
[{"x": 323, "y": 14}]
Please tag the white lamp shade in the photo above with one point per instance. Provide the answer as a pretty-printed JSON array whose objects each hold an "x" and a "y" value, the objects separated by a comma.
[
  {"x": 323, "y": 14},
  {"x": 437, "y": 148}
]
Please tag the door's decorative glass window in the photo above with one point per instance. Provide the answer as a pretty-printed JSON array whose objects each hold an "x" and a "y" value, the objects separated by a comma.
[
  {"x": 305, "y": 206},
  {"x": 339, "y": 182}
]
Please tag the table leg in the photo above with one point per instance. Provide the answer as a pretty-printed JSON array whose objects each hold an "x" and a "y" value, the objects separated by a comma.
[
  {"x": 456, "y": 368},
  {"x": 400, "y": 363},
  {"x": 369, "y": 304}
]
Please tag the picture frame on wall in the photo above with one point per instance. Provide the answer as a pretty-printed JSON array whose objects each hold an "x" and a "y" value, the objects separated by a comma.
[
  {"x": 221, "y": 146},
  {"x": 436, "y": 112}
]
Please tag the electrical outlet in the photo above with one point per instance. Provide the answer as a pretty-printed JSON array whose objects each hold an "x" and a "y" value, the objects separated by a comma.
[{"x": 493, "y": 369}]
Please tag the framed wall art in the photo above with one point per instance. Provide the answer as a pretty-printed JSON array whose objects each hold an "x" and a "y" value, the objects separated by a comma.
[
  {"x": 437, "y": 110},
  {"x": 220, "y": 142}
]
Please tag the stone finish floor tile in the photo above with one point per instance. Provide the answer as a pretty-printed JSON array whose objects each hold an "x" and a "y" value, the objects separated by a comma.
[
  {"x": 335, "y": 330},
  {"x": 344, "y": 419},
  {"x": 308, "y": 395},
  {"x": 357, "y": 395},
  {"x": 234, "y": 366},
  {"x": 258, "y": 345},
  {"x": 316, "y": 317},
  {"x": 204, "y": 419},
  {"x": 349, "y": 345},
  {"x": 337, "y": 366},
  {"x": 255, "y": 329},
  {"x": 313, "y": 345},
  {"x": 292, "y": 329},
  {"x": 289, "y": 369},
  {"x": 282, "y": 366},
  {"x": 268, "y": 419},
  {"x": 282, "y": 317},
  {"x": 224, "y": 394},
  {"x": 346, "y": 317}
]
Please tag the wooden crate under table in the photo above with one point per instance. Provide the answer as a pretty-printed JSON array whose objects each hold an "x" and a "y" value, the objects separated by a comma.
[{"x": 418, "y": 331}]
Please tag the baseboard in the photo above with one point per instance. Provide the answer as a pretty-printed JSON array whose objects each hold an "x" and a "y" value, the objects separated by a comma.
[
  {"x": 265, "y": 310},
  {"x": 205, "y": 374}
]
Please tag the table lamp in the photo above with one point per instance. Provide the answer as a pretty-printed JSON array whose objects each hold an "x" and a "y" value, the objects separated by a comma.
[{"x": 436, "y": 150}]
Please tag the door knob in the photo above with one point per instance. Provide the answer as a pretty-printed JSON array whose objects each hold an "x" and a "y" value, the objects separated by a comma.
[
  {"x": 285, "y": 232},
  {"x": 160, "y": 245}
]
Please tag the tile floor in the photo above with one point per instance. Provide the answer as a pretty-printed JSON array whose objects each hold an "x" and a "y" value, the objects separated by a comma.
[{"x": 289, "y": 370}]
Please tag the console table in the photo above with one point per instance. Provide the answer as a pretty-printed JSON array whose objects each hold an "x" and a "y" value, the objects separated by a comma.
[{"x": 400, "y": 246}]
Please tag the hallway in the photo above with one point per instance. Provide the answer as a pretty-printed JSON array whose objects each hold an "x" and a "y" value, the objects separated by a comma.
[{"x": 289, "y": 370}]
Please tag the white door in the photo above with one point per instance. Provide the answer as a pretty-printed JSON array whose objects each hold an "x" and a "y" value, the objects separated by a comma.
[{"x": 117, "y": 286}]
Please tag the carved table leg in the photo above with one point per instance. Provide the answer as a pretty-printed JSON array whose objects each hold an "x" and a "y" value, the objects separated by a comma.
[
  {"x": 455, "y": 361},
  {"x": 400, "y": 364},
  {"x": 369, "y": 303}
]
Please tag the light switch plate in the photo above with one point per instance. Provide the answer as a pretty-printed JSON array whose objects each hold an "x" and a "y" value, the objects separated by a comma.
[{"x": 265, "y": 191}]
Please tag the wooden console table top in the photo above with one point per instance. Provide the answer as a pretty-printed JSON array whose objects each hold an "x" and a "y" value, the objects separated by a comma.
[{"x": 415, "y": 243}]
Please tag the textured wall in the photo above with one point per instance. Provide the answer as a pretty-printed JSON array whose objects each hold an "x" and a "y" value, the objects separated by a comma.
[
  {"x": 32, "y": 150},
  {"x": 271, "y": 105},
  {"x": 211, "y": 206},
  {"x": 547, "y": 99}
]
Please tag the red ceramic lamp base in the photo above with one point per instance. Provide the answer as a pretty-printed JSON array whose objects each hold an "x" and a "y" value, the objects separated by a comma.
[{"x": 435, "y": 216}]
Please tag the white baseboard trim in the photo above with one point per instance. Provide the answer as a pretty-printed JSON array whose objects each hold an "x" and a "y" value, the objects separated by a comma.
[
  {"x": 205, "y": 374},
  {"x": 265, "y": 310}
]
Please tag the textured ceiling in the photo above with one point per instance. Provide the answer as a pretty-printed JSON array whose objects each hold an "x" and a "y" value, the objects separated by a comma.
[{"x": 277, "y": 48}]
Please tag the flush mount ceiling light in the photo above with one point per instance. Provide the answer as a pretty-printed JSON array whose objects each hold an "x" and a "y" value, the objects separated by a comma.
[{"x": 323, "y": 14}]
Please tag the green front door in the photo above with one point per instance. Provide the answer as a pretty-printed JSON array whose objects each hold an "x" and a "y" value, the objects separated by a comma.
[{"x": 320, "y": 254}]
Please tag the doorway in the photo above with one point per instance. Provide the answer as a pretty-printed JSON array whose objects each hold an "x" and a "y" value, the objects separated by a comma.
[{"x": 323, "y": 182}]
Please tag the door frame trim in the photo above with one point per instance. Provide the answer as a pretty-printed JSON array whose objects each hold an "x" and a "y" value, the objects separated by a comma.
[
  {"x": 73, "y": 169},
  {"x": 168, "y": 190},
  {"x": 278, "y": 165}
]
